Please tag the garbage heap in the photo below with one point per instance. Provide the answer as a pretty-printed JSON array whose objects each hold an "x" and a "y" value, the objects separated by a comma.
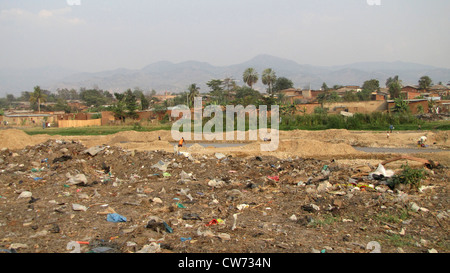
[{"x": 60, "y": 196}]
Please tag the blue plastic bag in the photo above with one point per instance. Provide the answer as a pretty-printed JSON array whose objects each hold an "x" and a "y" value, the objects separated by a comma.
[{"x": 114, "y": 217}]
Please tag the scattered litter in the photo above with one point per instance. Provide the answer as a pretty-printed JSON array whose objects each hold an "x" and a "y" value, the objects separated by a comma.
[
  {"x": 161, "y": 165},
  {"x": 25, "y": 194},
  {"x": 220, "y": 202},
  {"x": 76, "y": 179},
  {"x": 78, "y": 207},
  {"x": 115, "y": 218},
  {"x": 93, "y": 151},
  {"x": 185, "y": 239},
  {"x": 381, "y": 173},
  {"x": 219, "y": 155}
]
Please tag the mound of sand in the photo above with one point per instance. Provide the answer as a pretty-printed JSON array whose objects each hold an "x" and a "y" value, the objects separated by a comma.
[
  {"x": 196, "y": 148},
  {"x": 18, "y": 139},
  {"x": 302, "y": 147}
]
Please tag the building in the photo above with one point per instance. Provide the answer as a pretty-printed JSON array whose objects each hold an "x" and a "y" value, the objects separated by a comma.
[
  {"x": 29, "y": 118},
  {"x": 416, "y": 106}
]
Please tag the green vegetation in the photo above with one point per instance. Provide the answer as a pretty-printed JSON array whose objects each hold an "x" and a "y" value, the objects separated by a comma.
[
  {"x": 226, "y": 92},
  {"x": 95, "y": 130},
  {"x": 409, "y": 176},
  {"x": 377, "y": 121},
  {"x": 393, "y": 217}
]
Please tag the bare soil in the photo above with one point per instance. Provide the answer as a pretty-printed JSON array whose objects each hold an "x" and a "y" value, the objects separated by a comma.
[{"x": 313, "y": 194}]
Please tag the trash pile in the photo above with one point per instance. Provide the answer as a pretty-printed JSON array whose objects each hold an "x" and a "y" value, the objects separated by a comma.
[{"x": 60, "y": 196}]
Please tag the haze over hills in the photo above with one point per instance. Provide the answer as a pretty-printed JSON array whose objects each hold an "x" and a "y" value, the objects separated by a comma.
[{"x": 176, "y": 77}]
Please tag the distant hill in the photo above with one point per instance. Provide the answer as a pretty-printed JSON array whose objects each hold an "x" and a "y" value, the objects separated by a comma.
[{"x": 176, "y": 77}]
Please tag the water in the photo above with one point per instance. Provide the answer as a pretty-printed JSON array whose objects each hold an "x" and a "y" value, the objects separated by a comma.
[
  {"x": 211, "y": 144},
  {"x": 397, "y": 150}
]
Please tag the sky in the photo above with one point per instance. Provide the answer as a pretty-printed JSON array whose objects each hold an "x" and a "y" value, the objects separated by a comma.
[{"x": 98, "y": 35}]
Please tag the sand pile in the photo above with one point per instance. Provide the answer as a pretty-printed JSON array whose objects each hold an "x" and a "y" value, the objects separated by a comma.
[
  {"x": 18, "y": 139},
  {"x": 311, "y": 147},
  {"x": 196, "y": 148},
  {"x": 441, "y": 137}
]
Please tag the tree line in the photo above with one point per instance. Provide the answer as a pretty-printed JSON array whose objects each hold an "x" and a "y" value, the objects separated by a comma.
[{"x": 221, "y": 92}]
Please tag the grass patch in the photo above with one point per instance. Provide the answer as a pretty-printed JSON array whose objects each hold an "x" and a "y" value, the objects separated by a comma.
[
  {"x": 399, "y": 240},
  {"x": 394, "y": 218},
  {"x": 94, "y": 130},
  {"x": 327, "y": 219}
]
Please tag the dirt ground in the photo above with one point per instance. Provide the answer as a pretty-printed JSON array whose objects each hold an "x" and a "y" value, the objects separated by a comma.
[{"x": 131, "y": 192}]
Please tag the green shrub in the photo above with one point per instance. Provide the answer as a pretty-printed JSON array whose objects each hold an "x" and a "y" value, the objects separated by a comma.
[{"x": 409, "y": 176}]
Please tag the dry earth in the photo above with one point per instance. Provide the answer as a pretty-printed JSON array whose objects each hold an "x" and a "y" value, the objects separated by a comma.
[{"x": 313, "y": 194}]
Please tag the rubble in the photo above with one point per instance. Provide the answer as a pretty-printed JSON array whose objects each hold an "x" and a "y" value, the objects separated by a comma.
[{"x": 60, "y": 196}]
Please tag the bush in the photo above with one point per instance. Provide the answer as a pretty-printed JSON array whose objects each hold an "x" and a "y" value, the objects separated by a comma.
[{"x": 409, "y": 176}]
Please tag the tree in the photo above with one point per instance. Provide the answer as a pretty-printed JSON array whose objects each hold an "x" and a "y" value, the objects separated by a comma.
[
  {"x": 325, "y": 87},
  {"x": 144, "y": 102},
  {"x": 119, "y": 110},
  {"x": 350, "y": 96},
  {"x": 61, "y": 105},
  {"x": 194, "y": 91},
  {"x": 328, "y": 97},
  {"x": 131, "y": 104},
  {"x": 395, "y": 86},
  {"x": 391, "y": 80},
  {"x": 268, "y": 78},
  {"x": 425, "y": 82},
  {"x": 247, "y": 96},
  {"x": 10, "y": 98},
  {"x": 394, "y": 89},
  {"x": 282, "y": 83},
  {"x": 93, "y": 97},
  {"x": 230, "y": 86},
  {"x": 38, "y": 96},
  {"x": 250, "y": 77},
  {"x": 400, "y": 105},
  {"x": 371, "y": 85},
  {"x": 216, "y": 90},
  {"x": 364, "y": 95}
]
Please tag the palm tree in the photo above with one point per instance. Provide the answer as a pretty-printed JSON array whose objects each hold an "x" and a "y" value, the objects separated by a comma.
[
  {"x": 38, "y": 96},
  {"x": 193, "y": 92},
  {"x": 268, "y": 78},
  {"x": 250, "y": 76}
]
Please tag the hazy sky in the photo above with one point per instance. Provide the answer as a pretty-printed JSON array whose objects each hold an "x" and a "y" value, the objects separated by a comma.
[{"x": 107, "y": 34}]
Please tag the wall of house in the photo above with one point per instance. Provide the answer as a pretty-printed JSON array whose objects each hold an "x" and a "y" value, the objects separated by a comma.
[
  {"x": 29, "y": 120},
  {"x": 364, "y": 107},
  {"x": 306, "y": 108},
  {"x": 79, "y": 123},
  {"x": 413, "y": 106}
]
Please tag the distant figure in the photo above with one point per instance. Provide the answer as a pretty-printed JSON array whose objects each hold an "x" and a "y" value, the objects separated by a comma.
[
  {"x": 391, "y": 127},
  {"x": 420, "y": 127},
  {"x": 180, "y": 144},
  {"x": 387, "y": 134},
  {"x": 159, "y": 138},
  {"x": 421, "y": 141}
]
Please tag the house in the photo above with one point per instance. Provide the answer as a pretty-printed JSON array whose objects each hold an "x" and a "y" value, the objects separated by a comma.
[
  {"x": 166, "y": 96},
  {"x": 342, "y": 90},
  {"x": 29, "y": 118},
  {"x": 292, "y": 95},
  {"x": 77, "y": 105},
  {"x": 410, "y": 88},
  {"x": 439, "y": 89},
  {"x": 444, "y": 106},
  {"x": 416, "y": 106}
]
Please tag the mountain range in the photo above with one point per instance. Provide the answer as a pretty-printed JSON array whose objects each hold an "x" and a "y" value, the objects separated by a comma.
[{"x": 176, "y": 77}]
